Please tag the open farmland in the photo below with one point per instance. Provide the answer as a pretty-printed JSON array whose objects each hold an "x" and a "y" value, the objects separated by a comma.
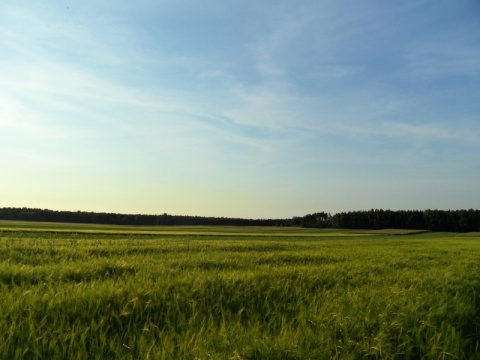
[{"x": 97, "y": 292}]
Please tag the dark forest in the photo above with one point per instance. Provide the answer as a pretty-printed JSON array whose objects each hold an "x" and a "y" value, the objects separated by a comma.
[{"x": 433, "y": 220}]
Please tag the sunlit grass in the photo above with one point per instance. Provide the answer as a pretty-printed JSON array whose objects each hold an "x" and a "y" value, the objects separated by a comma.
[{"x": 216, "y": 295}]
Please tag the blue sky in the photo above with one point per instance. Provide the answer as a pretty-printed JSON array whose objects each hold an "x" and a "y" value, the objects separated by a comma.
[{"x": 258, "y": 109}]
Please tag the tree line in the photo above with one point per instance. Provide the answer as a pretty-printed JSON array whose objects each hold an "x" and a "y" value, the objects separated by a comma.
[
  {"x": 433, "y": 220},
  {"x": 321, "y": 219},
  {"x": 28, "y": 214}
]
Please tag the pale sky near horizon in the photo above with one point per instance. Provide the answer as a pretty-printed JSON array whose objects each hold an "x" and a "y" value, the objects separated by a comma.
[{"x": 256, "y": 109}]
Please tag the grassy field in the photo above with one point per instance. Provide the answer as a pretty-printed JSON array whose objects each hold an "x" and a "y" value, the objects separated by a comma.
[{"x": 106, "y": 292}]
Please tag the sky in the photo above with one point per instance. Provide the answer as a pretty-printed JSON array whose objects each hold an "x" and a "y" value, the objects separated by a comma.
[{"x": 254, "y": 109}]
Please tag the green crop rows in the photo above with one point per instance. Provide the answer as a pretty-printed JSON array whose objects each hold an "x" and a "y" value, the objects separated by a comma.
[{"x": 79, "y": 292}]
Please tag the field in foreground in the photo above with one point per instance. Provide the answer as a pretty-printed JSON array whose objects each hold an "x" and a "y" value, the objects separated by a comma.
[{"x": 93, "y": 292}]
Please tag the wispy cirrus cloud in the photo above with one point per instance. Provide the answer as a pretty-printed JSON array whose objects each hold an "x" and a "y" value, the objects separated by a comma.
[
  {"x": 425, "y": 132},
  {"x": 435, "y": 60}
]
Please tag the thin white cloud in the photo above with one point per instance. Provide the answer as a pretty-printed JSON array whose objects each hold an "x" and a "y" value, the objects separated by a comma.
[
  {"x": 286, "y": 25},
  {"x": 425, "y": 132},
  {"x": 435, "y": 60},
  {"x": 16, "y": 118}
]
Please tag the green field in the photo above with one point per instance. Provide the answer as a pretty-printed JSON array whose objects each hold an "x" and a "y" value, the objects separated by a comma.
[{"x": 109, "y": 292}]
